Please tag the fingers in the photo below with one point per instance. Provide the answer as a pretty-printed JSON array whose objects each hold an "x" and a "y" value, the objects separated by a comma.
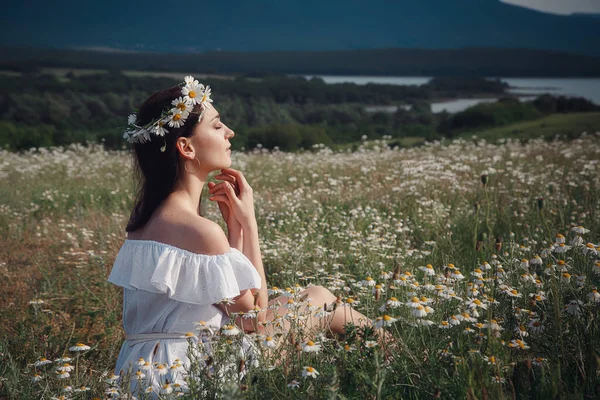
[
  {"x": 219, "y": 187},
  {"x": 242, "y": 183},
  {"x": 221, "y": 198}
]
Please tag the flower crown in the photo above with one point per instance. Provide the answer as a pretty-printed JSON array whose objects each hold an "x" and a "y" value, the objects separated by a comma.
[{"x": 193, "y": 93}]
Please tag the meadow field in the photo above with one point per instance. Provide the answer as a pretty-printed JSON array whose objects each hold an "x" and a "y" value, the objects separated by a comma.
[{"x": 481, "y": 260}]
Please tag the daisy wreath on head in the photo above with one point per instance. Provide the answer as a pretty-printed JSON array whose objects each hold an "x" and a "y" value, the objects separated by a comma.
[{"x": 192, "y": 93}]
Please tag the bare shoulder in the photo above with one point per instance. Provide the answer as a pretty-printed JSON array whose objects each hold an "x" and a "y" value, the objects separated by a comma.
[
  {"x": 203, "y": 236},
  {"x": 189, "y": 232}
]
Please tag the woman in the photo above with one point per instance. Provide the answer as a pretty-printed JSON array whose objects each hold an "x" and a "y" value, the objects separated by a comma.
[{"x": 175, "y": 265}]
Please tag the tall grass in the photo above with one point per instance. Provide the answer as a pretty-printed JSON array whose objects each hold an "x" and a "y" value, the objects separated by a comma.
[{"x": 333, "y": 219}]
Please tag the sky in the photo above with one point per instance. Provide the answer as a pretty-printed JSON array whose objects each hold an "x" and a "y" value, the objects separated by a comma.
[{"x": 560, "y": 6}]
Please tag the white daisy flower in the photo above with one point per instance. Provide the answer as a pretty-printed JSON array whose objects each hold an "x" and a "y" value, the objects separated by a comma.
[
  {"x": 535, "y": 326},
  {"x": 537, "y": 260},
  {"x": 42, "y": 361},
  {"x": 139, "y": 375},
  {"x": 518, "y": 343},
  {"x": 580, "y": 230},
  {"x": 309, "y": 372},
  {"x": 294, "y": 384},
  {"x": 177, "y": 118},
  {"x": 393, "y": 302},
  {"x": 63, "y": 374},
  {"x": 594, "y": 296},
  {"x": 161, "y": 370},
  {"x": 65, "y": 367},
  {"x": 79, "y": 347},
  {"x": 444, "y": 325},
  {"x": 193, "y": 92},
  {"x": 180, "y": 105},
  {"x": 559, "y": 239},
  {"x": 474, "y": 303},
  {"x": 190, "y": 80},
  {"x": 131, "y": 119},
  {"x": 369, "y": 344},
  {"x": 369, "y": 281},
  {"x": 205, "y": 100},
  {"x": 419, "y": 311},
  {"x": 269, "y": 342},
  {"x": 428, "y": 270},
  {"x": 311, "y": 347},
  {"x": 36, "y": 378},
  {"x": 386, "y": 320},
  {"x": 230, "y": 330}
]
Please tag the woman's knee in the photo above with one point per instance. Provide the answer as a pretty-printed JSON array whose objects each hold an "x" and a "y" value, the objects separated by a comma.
[{"x": 319, "y": 294}]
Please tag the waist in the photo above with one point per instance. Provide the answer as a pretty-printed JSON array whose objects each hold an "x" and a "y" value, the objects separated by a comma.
[{"x": 142, "y": 337}]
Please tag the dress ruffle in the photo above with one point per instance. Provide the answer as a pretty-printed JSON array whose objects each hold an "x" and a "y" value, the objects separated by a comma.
[{"x": 183, "y": 275}]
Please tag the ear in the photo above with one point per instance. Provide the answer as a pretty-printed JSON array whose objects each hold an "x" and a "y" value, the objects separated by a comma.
[{"x": 185, "y": 148}]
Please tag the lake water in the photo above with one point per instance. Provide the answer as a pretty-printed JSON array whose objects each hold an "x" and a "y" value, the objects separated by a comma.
[{"x": 580, "y": 87}]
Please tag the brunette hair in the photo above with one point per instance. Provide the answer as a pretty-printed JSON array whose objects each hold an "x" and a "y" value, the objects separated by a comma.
[{"x": 156, "y": 172}]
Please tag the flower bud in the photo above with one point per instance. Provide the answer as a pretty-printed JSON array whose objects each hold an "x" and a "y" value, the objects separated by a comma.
[
  {"x": 484, "y": 179},
  {"x": 498, "y": 243},
  {"x": 540, "y": 203}
]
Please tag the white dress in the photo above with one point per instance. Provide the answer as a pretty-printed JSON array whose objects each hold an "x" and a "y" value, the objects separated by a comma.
[{"x": 167, "y": 290}]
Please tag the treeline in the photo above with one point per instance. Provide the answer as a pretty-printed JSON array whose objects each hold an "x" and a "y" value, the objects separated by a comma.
[
  {"x": 271, "y": 110},
  {"x": 392, "y": 62}
]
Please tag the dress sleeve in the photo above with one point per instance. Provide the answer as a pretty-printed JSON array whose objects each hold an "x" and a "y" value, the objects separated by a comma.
[{"x": 184, "y": 276}]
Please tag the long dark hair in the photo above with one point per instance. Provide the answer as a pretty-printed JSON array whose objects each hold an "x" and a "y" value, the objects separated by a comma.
[{"x": 156, "y": 172}]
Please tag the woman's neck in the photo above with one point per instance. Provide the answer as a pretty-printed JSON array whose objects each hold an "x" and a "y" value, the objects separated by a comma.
[{"x": 189, "y": 189}]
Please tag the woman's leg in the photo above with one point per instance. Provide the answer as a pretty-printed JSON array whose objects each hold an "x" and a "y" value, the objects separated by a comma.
[{"x": 317, "y": 296}]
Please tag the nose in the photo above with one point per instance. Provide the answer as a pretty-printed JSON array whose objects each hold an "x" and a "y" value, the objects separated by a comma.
[{"x": 230, "y": 132}]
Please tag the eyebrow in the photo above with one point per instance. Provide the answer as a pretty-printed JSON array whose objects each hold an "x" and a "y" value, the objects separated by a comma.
[{"x": 216, "y": 116}]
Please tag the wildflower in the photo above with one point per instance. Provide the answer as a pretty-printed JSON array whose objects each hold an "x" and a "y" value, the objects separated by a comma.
[
  {"x": 67, "y": 389},
  {"x": 419, "y": 311},
  {"x": 368, "y": 282},
  {"x": 82, "y": 389},
  {"x": 536, "y": 260},
  {"x": 455, "y": 320},
  {"x": 425, "y": 322},
  {"x": 63, "y": 360},
  {"x": 166, "y": 389},
  {"x": 456, "y": 275},
  {"x": 41, "y": 362},
  {"x": 428, "y": 270},
  {"x": 230, "y": 330},
  {"x": 444, "y": 325},
  {"x": 393, "y": 302},
  {"x": 139, "y": 375},
  {"x": 161, "y": 370},
  {"x": 274, "y": 291},
  {"x": 521, "y": 331},
  {"x": 79, "y": 347},
  {"x": 227, "y": 302},
  {"x": 36, "y": 301},
  {"x": 113, "y": 378},
  {"x": 497, "y": 379},
  {"x": 369, "y": 344},
  {"x": 269, "y": 342},
  {"x": 469, "y": 330},
  {"x": 386, "y": 320},
  {"x": 414, "y": 302},
  {"x": 309, "y": 372},
  {"x": 594, "y": 296},
  {"x": 65, "y": 367},
  {"x": 36, "y": 378},
  {"x": 348, "y": 348},
  {"x": 466, "y": 317},
  {"x": 513, "y": 293},
  {"x": 562, "y": 248},
  {"x": 566, "y": 277},
  {"x": 573, "y": 307},
  {"x": 580, "y": 230},
  {"x": 524, "y": 263},
  {"x": 294, "y": 384},
  {"x": 518, "y": 343},
  {"x": 62, "y": 374},
  {"x": 535, "y": 325},
  {"x": 559, "y": 239},
  {"x": 311, "y": 347},
  {"x": 350, "y": 302},
  {"x": 596, "y": 268},
  {"x": 474, "y": 303}
]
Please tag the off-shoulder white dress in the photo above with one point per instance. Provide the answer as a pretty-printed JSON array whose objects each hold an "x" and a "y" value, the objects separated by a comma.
[{"x": 167, "y": 290}]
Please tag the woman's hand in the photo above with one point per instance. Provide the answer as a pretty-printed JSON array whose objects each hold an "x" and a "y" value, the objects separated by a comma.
[{"x": 236, "y": 194}]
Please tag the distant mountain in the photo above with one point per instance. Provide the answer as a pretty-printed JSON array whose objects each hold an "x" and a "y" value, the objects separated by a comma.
[{"x": 266, "y": 25}]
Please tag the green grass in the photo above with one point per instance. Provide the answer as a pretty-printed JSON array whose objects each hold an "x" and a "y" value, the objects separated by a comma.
[
  {"x": 333, "y": 219},
  {"x": 557, "y": 125}
]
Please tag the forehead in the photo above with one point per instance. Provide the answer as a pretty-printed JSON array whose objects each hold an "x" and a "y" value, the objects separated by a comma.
[{"x": 209, "y": 113}]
